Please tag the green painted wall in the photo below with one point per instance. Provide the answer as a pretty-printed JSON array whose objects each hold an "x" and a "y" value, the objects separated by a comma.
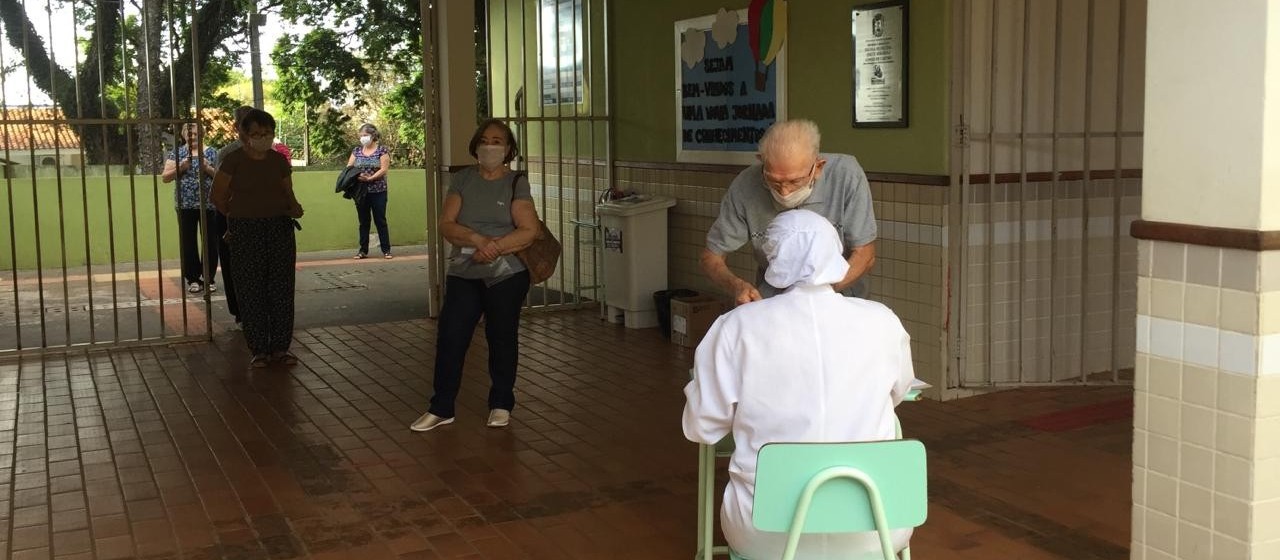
[
  {"x": 820, "y": 81},
  {"x": 330, "y": 221}
]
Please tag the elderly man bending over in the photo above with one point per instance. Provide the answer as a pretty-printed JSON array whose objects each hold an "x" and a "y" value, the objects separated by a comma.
[{"x": 808, "y": 365}]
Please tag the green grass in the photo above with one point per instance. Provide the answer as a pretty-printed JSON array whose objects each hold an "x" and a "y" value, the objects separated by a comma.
[{"x": 122, "y": 205}]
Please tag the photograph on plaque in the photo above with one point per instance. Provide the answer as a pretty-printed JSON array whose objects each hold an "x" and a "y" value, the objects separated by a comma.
[
  {"x": 880, "y": 65},
  {"x": 730, "y": 82}
]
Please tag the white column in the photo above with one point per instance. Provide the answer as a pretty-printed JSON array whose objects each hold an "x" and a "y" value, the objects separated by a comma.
[
  {"x": 456, "y": 34},
  {"x": 1207, "y": 416}
]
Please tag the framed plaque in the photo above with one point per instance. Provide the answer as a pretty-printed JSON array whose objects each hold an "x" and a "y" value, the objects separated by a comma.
[{"x": 880, "y": 65}]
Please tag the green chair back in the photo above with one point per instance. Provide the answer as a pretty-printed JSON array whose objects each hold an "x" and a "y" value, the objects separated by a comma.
[{"x": 840, "y": 505}]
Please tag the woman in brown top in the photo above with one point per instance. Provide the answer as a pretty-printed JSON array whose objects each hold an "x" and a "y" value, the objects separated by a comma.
[{"x": 254, "y": 188}]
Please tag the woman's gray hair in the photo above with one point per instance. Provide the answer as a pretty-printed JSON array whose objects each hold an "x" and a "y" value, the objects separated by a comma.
[
  {"x": 190, "y": 128},
  {"x": 793, "y": 136},
  {"x": 372, "y": 130}
]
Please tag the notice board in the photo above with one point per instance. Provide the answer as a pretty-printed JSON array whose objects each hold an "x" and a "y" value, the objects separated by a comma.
[{"x": 730, "y": 86}]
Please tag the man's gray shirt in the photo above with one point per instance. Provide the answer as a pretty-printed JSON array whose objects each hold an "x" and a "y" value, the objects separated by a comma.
[{"x": 841, "y": 194}]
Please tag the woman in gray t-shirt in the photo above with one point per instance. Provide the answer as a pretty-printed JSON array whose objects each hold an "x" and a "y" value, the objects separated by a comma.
[{"x": 488, "y": 215}]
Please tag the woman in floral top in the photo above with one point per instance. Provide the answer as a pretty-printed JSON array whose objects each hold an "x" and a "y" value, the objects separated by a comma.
[
  {"x": 375, "y": 160},
  {"x": 193, "y": 167}
]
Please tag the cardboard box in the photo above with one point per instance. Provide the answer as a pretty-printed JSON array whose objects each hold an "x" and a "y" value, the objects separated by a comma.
[{"x": 691, "y": 317}]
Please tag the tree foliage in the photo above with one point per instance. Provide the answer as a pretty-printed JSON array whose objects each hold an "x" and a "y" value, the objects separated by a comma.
[
  {"x": 130, "y": 68},
  {"x": 362, "y": 61}
]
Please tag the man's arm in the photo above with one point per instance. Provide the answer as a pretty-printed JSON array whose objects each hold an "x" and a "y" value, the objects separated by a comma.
[
  {"x": 860, "y": 262},
  {"x": 858, "y": 221},
  {"x": 727, "y": 234},
  {"x": 715, "y": 267}
]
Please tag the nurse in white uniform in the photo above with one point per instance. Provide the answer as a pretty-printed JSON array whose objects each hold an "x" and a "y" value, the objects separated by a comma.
[{"x": 808, "y": 365}]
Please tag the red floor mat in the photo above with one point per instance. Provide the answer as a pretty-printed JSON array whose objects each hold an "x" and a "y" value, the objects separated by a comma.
[{"x": 1080, "y": 417}]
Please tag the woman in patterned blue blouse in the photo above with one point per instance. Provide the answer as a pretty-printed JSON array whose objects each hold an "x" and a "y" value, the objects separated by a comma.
[
  {"x": 193, "y": 167},
  {"x": 375, "y": 160}
]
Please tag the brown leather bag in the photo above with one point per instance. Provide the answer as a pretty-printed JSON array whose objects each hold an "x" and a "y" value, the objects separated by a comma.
[{"x": 541, "y": 256}]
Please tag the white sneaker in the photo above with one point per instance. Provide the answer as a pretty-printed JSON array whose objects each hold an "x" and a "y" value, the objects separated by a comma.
[
  {"x": 212, "y": 287},
  {"x": 499, "y": 418},
  {"x": 193, "y": 288},
  {"x": 428, "y": 422}
]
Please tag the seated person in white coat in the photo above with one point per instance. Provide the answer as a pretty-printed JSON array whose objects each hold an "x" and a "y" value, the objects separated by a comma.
[{"x": 809, "y": 365}]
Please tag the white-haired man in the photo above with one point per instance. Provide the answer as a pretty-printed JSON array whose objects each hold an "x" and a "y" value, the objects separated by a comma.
[
  {"x": 809, "y": 365},
  {"x": 792, "y": 173}
]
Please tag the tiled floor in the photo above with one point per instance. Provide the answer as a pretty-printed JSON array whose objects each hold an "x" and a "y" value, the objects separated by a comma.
[{"x": 183, "y": 452}]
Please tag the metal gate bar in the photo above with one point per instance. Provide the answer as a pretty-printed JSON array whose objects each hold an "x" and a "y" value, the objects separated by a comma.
[
  {"x": 1009, "y": 365},
  {"x": 990, "y": 199},
  {"x": 50, "y": 192},
  {"x": 560, "y": 124},
  {"x": 1084, "y": 195},
  {"x": 1117, "y": 192}
]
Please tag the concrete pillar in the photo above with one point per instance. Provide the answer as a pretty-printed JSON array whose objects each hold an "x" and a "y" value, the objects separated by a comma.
[
  {"x": 1207, "y": 417},
  {"x": 456, "y": 33}
]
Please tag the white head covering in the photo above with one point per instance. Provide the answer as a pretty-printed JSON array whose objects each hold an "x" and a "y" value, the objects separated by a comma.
[{"x": 803, "y": 248}]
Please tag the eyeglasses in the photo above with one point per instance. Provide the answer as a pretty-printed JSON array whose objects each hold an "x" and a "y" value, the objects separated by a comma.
[{"x": 790, "y": 184}]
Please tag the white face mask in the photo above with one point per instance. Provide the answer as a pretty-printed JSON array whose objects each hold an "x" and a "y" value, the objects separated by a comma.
[
  {"x": 261, "y": 144},
  {"x": 491, "y": 156},
  {"x": 366, "y": 140},
  {"x": 796, "y": 198}
]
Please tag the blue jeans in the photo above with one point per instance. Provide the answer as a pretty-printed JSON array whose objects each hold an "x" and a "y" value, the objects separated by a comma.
[
  {"x": 374, "y": 206},
  {"x": 465, "y": 302}
]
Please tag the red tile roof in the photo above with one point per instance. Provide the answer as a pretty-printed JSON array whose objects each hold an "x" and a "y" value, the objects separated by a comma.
[
  {"x": 19, "y": 135},
  {"x": 17, "y": 132}
]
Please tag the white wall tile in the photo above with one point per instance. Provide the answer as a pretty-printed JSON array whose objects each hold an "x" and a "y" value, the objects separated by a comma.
[
  {"x": 1237, "y": 353},
  {"x": 1197, "y": 465},
  {"x": 1166, "y": 338},
  {"x": 1233, "y": 476},
  {"x": 1200, "y": 345},
  {"x": 1144, "y": 334},
  {"x": 1163, "y": 455},
  {"x": 1200, "y": 385},
  {"x": 1195, "y": 541},
  {"x": 1162, "y": 494},
  {"x": 1269, "y": 354},
  {"x": 1198, "y": 427},
  {"x": 1234, "y": 436},
  {"x": 1162, "y": 531},
  {"x": 1230, "y": 518}
]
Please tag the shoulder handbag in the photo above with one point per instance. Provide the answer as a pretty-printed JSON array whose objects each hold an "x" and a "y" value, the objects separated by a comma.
[{"x": 541, "y": 256}]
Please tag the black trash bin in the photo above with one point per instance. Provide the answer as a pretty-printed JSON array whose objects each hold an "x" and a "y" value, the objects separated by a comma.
[{"x": 662, "y": 301}]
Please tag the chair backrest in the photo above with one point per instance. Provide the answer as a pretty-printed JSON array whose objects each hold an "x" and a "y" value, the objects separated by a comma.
[{"x": 897, "y": 467}]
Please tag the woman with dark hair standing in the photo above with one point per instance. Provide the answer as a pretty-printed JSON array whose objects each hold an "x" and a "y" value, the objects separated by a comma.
[
  {"x": 254, "y": 187},
  {"x": 375, "y": 160},
  {"x": 488, "y": 215}
]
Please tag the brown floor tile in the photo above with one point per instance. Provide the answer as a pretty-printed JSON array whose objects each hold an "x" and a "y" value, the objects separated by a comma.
[{"x": 183, "y": 452}]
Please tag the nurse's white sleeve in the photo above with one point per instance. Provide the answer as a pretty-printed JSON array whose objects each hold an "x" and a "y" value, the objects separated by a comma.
[
  {"x": 712, "y": 396},
  {"x": 906, "y": 372}
]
